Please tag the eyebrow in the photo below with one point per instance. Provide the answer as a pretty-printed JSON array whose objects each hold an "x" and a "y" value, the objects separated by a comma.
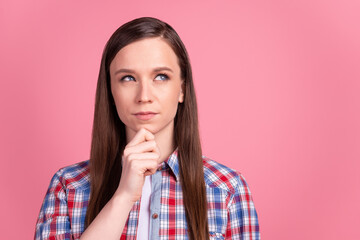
[{"x": 157, "y": 69}]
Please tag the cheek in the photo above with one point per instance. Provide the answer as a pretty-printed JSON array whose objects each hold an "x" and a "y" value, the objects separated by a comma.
[
  {"x": 120, "y": 103},
  {"x": 172, "y": 102},
  {"x": 122, "y": 112}
]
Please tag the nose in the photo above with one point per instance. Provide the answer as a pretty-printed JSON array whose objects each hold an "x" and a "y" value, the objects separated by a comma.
[{"x": 144, "y": 92}]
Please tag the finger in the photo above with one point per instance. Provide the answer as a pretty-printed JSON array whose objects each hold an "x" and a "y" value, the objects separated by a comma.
[
  {"x": 141, "y": 136},
  {"x": 143, "y": 156},
  {"x": 150, "y": 172},
  {"x": 148, "y": 146},
  {"x": 143, "y": 166}
]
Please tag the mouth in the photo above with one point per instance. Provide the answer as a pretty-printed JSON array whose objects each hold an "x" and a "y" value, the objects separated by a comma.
[{"x": 145, "y": 115}]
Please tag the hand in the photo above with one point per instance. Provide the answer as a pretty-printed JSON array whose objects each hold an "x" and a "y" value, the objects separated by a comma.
[{"x": 140, "y": 159}]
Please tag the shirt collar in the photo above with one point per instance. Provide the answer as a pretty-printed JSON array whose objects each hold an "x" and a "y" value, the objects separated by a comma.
[{"x": 173, "y": 163}]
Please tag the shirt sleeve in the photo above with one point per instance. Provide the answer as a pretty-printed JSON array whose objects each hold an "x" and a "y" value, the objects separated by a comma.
[
  {"x": 242, "y": 217},
  {"x": 53, "y": 221}
]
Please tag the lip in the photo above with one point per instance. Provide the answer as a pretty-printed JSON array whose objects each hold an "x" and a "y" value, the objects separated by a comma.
[{"x": 145, "y": 115}]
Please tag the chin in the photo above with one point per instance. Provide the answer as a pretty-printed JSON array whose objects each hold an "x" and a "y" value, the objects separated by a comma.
[
  {"x": 151, "y": 129},
  {"x": 154, "y": 128}
]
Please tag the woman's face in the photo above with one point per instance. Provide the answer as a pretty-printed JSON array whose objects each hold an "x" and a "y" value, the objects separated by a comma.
[{"x": 146, "y": 86}]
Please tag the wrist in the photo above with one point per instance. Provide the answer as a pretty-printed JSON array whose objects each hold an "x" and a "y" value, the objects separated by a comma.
[{"x": 123, "y": 199}]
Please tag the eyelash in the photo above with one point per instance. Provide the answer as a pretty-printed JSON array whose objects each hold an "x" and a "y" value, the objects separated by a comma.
[
  {"x": 163, "y": 74},
  {"x": 123, "y": 78}
]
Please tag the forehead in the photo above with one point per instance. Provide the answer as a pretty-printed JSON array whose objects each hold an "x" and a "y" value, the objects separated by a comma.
[{"x": 145, "y": 54}]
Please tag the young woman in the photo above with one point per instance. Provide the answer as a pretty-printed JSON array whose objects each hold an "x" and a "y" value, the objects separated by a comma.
[{"x": 146, "y": 177}]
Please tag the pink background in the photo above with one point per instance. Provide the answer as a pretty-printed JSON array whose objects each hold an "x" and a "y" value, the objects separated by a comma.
[{"x": 278, "y": 86}]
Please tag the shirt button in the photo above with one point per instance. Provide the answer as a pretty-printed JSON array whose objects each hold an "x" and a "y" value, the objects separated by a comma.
[{"x": 155, "y": 216}]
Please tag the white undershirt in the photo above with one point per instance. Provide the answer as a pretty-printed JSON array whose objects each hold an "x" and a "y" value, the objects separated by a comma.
[{"x": 144, "y": 215}]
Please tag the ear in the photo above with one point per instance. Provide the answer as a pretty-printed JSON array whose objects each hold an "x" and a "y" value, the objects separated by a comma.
[{"x": 181, "y": 96}]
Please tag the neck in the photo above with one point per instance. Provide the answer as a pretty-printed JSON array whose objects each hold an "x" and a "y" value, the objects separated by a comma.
[{"x": 165, "y": 142}]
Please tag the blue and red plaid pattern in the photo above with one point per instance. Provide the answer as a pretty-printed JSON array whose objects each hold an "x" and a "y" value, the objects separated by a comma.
[{"x": 231, "y": 211}]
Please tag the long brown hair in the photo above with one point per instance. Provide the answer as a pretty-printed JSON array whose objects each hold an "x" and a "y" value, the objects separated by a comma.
[{"x": 109, "y": 137}]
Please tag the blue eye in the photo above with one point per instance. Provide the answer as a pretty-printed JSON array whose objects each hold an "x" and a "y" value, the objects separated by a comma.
[
  {"x": 162, "y": 77},
  {"x": 127, "y": 78}
]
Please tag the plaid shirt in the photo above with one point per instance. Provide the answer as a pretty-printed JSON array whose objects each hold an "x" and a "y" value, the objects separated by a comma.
[{"x": 231, "y": 211}]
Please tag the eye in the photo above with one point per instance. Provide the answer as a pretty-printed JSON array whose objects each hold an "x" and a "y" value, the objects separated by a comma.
[
  {"x": 162, "y": 77},
  {"x": 127, "y": 78}
]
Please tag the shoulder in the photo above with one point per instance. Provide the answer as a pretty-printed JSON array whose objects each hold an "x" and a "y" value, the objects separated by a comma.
[
  {"x": 242, "y": 220},
  {"x": 75, "y": 176},
  {"x": 218, "y": 175}
]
